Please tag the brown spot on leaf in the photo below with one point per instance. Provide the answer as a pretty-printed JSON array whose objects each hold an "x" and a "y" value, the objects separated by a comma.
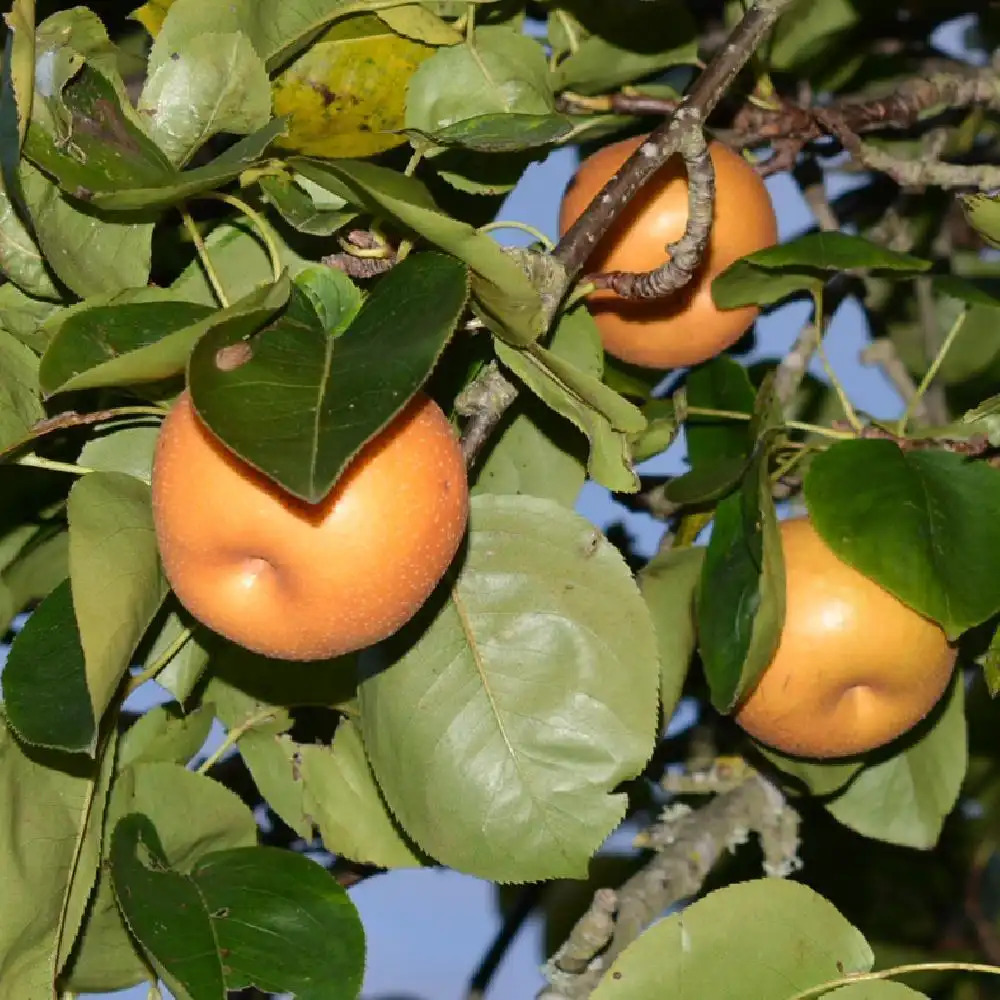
[{"x": 233, "y": 356}]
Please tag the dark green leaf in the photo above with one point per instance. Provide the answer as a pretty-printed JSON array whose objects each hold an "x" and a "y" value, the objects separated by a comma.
[
  {"x": 93, "y": 337},
  {"x": 926, "y": 526},
  {"x": 246, "y": 916},
  {"x": 304, "y": 403},
  {"x": 720, "y": 384},
  {"x": 707, "y": 482},
  {"x": 501, "y": 133},
  {"x": 45, "y": 680},
  {"x": 115, "y": 353},
  {"x": 804, "y": 265},
  {"x": 741, "y": 603}
]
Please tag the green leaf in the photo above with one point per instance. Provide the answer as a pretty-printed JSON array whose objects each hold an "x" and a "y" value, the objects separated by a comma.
[
  {"x": 18, "y": 84},
  {"x": 878, "y": 989},
  {"x": 767, "y": 939},
  {"x": 499, "y": 721},
  {"x": 341, "y": 795},
  {"x": 88, "y": 252},
  {"x": 719, "y": 384},
  {"x": 20, "y": 406},
  {"x": 638, "y": 39},
  {"x": 25, "y": 317},
  {"x": 278, "y": 919},
  {"x": 240, "y": 261},
  {"x": 662, "y": 428},
  {"x": 819, "y": 778},
  {"x": 174, "y": 630},
  {"x": 605, "y": 417},
  {"x": 177, "y": 187},
  {"x": 276, "y": 28},
  {"x": 804, "y": 265},
  {"x": 304, "y": 403},
  {"x": 100, "y": 335},
  {"x": 669, "y": 582},
  {"x": 500, "y": 133},
  {"x": 299, "y": 210},
  {"x": 417, "y": 22},
  {"x": 123, "y": 446},
  {"x": 983, "y": 213},
  {"x": 149, "y": 341},
  {"x": 216, "y": 84},
  {"x": 926, "y": 527},
  {"x": 213, "y": 818},
  {"x": 165, "y": 733},
  {"x": 535, "y": 452},
  {"x": 90, "y": 143},
  {"x": 806, "y": 29},
  {"x": 54, "y": 804},
  {"x": 344, "y": 96},
  {"x": 20, "y": 259},
  {"x": 45, "y": 680},
  {"x": 707, "y": 482},
  {"x": 904, "y": 796},
  {"x": 115, "y": 574},
  {"x": 499, "y": 72},
  {"x": 741, "y": 600},
  {"x": 503, "y": 289}
]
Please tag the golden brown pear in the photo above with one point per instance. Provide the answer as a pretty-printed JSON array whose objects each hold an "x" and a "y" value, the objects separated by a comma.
[
  {"x": 855, "y": 666},
  {"x": 298, "y": 581},
  {"x": 684, "y": 328}
]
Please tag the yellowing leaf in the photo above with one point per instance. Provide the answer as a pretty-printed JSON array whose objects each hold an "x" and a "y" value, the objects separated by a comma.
[
  {"x": 345, "y": 96},
  {"x": 151, "y": 15}
]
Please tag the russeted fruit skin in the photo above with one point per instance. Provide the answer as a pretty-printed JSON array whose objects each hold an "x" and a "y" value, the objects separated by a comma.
[
  {"x": 855, "y": 667},
  {"x": 296, "y": 581},
  {"x": 684, "y": 328}
]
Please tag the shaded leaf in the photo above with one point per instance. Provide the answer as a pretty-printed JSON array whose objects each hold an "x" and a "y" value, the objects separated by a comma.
[
  {"x": 298, "y": 209},
  {"x": 20, "y": 406},
  {"x": 499, "y": 721},
  {"x": 90, "y": 254},
  {"x": 45, "y": 679},
  {"x": 741, "y": 600}
]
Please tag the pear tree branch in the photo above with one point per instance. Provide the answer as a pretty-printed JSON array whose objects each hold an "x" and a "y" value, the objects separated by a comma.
[{"x": 667, "y": 140}]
